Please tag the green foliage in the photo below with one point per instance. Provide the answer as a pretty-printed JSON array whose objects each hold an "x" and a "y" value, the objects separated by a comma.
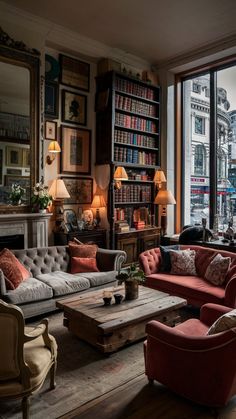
[
  {"x": 131, "y": 273},
  {"x": 41, "y": 196}
]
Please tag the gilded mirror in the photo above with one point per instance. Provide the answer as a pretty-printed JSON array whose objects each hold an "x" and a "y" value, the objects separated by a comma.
[{"x": 19, "y": 122}]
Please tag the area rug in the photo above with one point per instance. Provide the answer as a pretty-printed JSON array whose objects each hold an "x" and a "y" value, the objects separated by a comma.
[{"x": 83, "y": 373}]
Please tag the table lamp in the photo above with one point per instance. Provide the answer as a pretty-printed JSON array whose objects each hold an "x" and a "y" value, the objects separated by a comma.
[
  {"x": 164, "y": 198},
  {"x": 98, "y": 202},
  {"x": 119, "y": 175},
  {"x": 59, "y": 193}
]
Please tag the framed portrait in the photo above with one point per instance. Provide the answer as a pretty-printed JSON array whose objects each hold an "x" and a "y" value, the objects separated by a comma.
[
  {"x": 70, "y": 218},
  {"x": 51, "y": 99},
  {"x": 50, "y": 130},
  {"x": 74, "y": 73},
  {"x": 26, "y": 157},
  {"x": 75, "y": 146},
  {"x": 80, "y": 190},
  {"x": 14, "y": 156},
  {"x": 74, "y": 108}
]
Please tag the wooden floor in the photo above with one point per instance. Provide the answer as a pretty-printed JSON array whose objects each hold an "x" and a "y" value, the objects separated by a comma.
[{"x": 139, "y": 400}]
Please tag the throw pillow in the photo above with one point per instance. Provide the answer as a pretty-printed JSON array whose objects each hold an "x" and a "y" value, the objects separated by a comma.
[
  {"x": 225, "y": 322},
  {"x": 183, "y": 262},
  {"x": 83, "y": 250},
  {"x": 165, "y": 257},
  {"x": 79, "y": 265},
  {"x": 12, "y": 269},
  {"x": 217, "y": 270}
]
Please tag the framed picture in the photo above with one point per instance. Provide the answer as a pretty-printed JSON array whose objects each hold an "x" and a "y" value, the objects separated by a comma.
[
  {"x": 26, "y": 157},
  {"x": 50, "y": 130},
  {"x": 75, "y": 146},
  {"x": 74, "y": 73},
  {"x": 14, "y": 156},
  {"x": 70, "y": 218},
  {"x": 51, "y": 99},
  {"x": 74, "y": 108},
  {"x": 80, "y": 190}
]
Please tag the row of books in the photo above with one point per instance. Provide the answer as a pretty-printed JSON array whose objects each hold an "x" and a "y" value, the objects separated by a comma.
[
  {"x": 135, "y": 122},
  {"x": 125, "y": 137},
  {"x": 133, "y": 193},
  {"x": 133, "y": 105},
  {"x": 140, "y": 175},
  {"x": 133, "y": 88},
  {"x": 132, "y": 215},
  {"x": 129, "y": 155}
]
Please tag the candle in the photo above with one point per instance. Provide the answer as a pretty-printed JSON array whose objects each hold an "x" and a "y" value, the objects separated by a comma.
[{"x": 107, "y": 294}]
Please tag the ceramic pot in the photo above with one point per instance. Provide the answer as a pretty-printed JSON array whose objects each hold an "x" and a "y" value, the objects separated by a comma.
[{"x": 131, "y": 290}]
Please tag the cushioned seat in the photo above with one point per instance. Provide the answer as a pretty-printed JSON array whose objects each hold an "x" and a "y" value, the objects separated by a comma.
[
  {"x": 99, "y": 278},
  {"x": 28, "y": 291},
  {"x": 63, "y": 283}
]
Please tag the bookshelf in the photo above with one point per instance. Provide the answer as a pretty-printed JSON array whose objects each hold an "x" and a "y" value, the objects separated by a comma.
[{"x": 128, "y": 135}]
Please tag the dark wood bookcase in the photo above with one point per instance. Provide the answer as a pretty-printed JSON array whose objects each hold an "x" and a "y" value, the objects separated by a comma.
[{"x": 128, "y": 135}]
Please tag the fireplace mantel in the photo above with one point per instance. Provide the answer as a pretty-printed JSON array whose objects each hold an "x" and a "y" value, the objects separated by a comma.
[{"x": 34, "y": 228}]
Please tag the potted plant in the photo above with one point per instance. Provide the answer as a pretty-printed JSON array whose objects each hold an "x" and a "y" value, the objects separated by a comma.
[
  {"x": 16, "y": 194},
  {"x": 41, "y": 198},
  {"x": 132, "y": 276}
]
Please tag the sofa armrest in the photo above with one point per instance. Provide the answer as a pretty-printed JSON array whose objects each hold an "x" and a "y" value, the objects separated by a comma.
[
  {"x": 110, "y": 260},
  {"x": 3, "y": 289},
  {"x": 211, "y": 312},
  {"x": 230, "y": 293}
]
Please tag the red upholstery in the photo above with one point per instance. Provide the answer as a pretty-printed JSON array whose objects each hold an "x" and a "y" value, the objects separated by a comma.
[
  {"x": 195, "y": 289},
  {"x": 199, "y": 367}
]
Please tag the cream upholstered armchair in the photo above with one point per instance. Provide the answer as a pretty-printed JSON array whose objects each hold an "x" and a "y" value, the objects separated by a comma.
[{"x": 26, "y": 356}]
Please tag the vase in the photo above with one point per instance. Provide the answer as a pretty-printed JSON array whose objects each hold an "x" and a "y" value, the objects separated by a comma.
[
  {"x": 42, "y": 210},
  {"x": 131, "y": 290}
]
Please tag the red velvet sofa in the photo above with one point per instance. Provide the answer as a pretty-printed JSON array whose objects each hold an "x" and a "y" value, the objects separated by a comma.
[{"x": 195, "y": 289}]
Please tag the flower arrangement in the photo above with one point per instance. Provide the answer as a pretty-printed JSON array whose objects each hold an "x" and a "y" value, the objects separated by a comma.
[
  {"x": 41, "y": 198},
  {"x": 130, "y": 274},
  {"x": 16, "y": 194}
]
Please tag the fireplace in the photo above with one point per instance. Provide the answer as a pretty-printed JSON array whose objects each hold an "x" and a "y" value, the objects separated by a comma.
[{"x": 15, "y": 241}]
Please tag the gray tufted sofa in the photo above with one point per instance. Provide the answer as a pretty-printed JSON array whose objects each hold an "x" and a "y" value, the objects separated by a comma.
[{"x": 50, "y": 280}]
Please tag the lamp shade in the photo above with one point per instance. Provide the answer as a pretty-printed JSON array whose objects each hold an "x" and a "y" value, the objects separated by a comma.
[
  {"x": 58, "y": 189},
  {"x": 98, "y": 201},
  {"x": 54, "y": 147},
  {"x": 164, "y": 197},
  {"x": 159, "y": 177},
  {"x": 120, "y": 173}
]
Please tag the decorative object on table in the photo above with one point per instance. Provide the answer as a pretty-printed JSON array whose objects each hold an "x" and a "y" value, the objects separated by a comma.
[
  {"x": 70, "y": 218},
  {"x": 51, "y": 100},
  {"x": 74, "y": 73},
  {"x": 16, "y": 194},
  {"x": 107, "y": 297},
  {"x": 118, "y": 298},
  {"x": 87, "y": 217},
  {"x": 41, "y": 198},
  {"x": 132, "y": 276},
  {"x": 80, "y": 190},
  {"x": 53, "y": 149},
  {"x": 59, "y": 193},
  {"x": 164, "y": 198},
  {"x": 98, "y": 202},
  {"x": 76, "y": 145},
  {"x": 50, "y": 130},
  {"x": 74, "y": 108},
  {"x": 119, "y": 175}
]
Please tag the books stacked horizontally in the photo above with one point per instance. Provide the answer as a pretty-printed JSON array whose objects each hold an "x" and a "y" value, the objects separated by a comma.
[
  {"x": 121, "y": 226},
  {"x": 139, "y": 225}
]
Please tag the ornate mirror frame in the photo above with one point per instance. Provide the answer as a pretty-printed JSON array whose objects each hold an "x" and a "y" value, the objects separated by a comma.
[{"x": 17, "y": 53}]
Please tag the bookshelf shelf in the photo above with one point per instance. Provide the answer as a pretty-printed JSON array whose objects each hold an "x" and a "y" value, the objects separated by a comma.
[{"x": 128, "y": 135}]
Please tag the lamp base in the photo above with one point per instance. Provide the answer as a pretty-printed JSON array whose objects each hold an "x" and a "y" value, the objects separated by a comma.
[
  {"x": 58, "y": 211},
  {"x": 98, "y": 218}
]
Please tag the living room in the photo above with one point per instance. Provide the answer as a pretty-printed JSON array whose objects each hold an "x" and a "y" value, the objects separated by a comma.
[{"x": 61, "y": 83}]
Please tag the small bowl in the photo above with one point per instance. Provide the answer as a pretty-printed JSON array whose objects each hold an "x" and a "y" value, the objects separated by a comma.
[
  {"x": 118, "y": 298},
  {"x": 107, "y": 301}
]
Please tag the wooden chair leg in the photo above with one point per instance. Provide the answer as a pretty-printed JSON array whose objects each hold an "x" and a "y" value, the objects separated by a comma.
[
  {"x": 52, "y": 375},
  {"x": 25, "y": 407}
]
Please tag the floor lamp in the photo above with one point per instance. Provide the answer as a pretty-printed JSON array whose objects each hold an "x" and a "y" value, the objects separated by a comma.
[
  {"x": 59, "y": 193},
  {"x": 164, "y": 198}
]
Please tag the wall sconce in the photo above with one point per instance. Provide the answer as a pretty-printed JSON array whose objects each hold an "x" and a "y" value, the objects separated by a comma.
[
  {"x": 59, "y": 193},
  {"x": 119, "y": 175},
  {"x": 159, "y": 178},
  {"x": 98, "y": 202},
  {"x": 53, "y": 148},
  {"x": 164, "y": 197}
]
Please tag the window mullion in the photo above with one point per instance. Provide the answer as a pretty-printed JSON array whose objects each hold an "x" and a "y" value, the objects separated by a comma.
[{"x": 213, "y": 148}]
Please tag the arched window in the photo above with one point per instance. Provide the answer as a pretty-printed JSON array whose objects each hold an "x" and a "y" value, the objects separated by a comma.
[{"x": 200, "y": 160}]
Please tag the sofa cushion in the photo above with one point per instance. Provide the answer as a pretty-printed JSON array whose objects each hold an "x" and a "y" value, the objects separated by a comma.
[
  {"x": 29, "y": 291},
  {"x": 99, "y": 278},
  {"x": 63, "y": 283},
  {"x": 224, "y": 322},
  {"x": 183, "y": 262},
  {"x": 79, "y": 265},
  {"x": 217, "y": 270},
  {"x": 83, "y": 250},
  {"x": 165, "y": 257},
  {"x": 12, "y": 269}
]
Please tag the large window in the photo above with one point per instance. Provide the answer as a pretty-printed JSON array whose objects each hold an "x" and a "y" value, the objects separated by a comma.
[{"x": 209, "y": 146}]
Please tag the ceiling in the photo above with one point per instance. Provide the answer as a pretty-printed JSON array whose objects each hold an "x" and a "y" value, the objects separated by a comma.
[{"x": 155, "y": 30}]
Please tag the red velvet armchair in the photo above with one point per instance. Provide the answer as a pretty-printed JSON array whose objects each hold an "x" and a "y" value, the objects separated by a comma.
[{"x": 199, "y": 367}]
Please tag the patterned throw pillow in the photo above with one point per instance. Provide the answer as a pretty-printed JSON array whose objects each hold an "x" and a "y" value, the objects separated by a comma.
[
  {"x": 83, "y": 250},
  {"x": 165, "y": 257},
  {"x": 79, "y": 265},
  {"x": 183, "y": 262},
  {"x": 217, "y": 270},
  {"x": 225, "y": 322},
  {"x": 12, "y": 269}
]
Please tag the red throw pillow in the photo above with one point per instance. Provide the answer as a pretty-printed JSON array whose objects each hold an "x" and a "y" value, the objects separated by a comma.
[
  {"x": 83, "y": 250},
  {"x": 79, "y": 265},
  {"x": 12, "y": 269}
]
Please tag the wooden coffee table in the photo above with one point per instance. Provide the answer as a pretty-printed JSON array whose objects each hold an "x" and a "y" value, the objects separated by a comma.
[{"x": 112, "y": 327}]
